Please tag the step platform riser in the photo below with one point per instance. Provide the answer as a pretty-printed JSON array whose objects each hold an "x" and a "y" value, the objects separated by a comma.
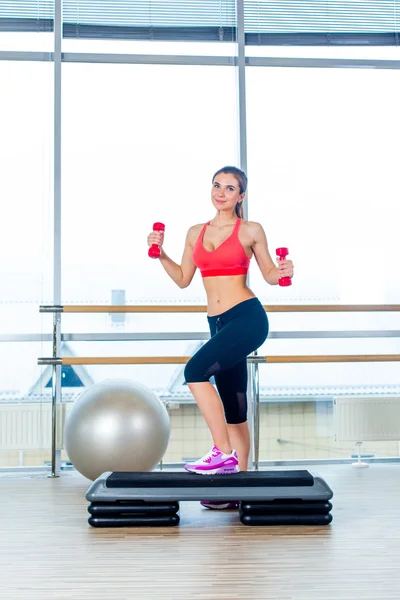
[
  {"x": 134, "y": 521},
  {"x": 285, "y": 508},
  {"x": 142, "y": 508},
  {"x": 273, "y": 520}
]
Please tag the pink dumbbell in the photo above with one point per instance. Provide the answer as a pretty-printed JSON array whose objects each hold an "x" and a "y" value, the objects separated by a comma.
[
  {"x": 154, "y": 250},
  {"x": 282, "y": 253}
]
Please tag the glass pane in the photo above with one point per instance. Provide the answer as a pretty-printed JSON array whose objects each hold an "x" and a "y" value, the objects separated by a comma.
[
  {"x": 323, "y": 172},
  {"x": 26, "y": 147},
  {"x": 140, "y": 145}
]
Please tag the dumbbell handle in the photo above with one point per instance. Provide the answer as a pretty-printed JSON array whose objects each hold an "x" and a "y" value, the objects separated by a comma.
[{"x": 155, "y": 250}]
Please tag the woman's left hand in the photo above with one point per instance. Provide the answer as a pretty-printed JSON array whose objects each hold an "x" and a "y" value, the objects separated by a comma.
[{"x": 285, "y": 268}]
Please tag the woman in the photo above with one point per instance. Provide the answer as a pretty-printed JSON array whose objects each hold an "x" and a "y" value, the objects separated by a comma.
[{"x": 222, "y": 249}]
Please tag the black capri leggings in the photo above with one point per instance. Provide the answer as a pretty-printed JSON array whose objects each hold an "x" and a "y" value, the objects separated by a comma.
[{"x": 234, "y": 335}]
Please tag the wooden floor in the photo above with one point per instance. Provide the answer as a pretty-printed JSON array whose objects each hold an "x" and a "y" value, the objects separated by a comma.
[{"x": 48, "y": 551}]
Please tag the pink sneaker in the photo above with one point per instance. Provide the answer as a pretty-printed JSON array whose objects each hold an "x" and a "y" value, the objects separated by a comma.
[
  {"x": 220, "y": 504},
  {"x": 215, "y": 462}
]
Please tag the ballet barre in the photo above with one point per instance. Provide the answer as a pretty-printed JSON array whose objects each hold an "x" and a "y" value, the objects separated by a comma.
[
  {"x": 197, "y": 308},
  {"x": 181, "y": 360}
]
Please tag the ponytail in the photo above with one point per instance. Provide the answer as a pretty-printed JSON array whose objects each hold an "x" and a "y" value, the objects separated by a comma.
[{"x": 239, "y": 210}]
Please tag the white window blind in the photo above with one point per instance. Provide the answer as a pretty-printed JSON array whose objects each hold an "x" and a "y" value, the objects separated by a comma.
[
  {"x": 322, "y": 22},
  {"x": 26, "y": 15},
  {"x": 182, "y": 20},
  {"x": 267, "y": 22}
]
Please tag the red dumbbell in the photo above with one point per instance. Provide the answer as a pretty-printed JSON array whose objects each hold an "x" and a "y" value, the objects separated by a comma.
[
  {"x": 282, "y": 253},
  {"x": 154, "y": 250}
]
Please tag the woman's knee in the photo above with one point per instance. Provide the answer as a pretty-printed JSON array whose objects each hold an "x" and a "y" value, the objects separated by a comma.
[
  {"x": 194, "y": 373},
  {"x": 198, "y": 369}
]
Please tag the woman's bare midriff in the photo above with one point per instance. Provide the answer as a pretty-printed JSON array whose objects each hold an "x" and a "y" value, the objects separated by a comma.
[{"x": 225, "y": 292}]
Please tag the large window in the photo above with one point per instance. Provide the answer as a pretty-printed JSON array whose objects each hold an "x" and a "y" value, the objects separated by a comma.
[{"x": 149, "y": 99}]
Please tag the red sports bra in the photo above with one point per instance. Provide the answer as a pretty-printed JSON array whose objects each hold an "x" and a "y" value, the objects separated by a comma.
[{"x": 229, "y": 258}]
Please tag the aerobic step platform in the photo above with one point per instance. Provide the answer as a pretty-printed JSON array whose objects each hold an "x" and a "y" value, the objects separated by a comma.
[{"x": 266, "y": 497}]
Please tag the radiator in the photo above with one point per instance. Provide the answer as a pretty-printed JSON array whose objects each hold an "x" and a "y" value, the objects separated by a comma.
[
  {"x": 28, "y": 426},
  {"x": 366, "y": 419}
]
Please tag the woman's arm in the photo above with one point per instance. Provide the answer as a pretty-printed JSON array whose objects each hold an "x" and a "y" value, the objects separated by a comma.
[
  {"x": 269, "y": 270},
  {"x": 181, "y": 274}
]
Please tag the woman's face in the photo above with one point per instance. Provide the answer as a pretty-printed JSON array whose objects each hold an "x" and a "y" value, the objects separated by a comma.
[{"x": 225, "y": 192}]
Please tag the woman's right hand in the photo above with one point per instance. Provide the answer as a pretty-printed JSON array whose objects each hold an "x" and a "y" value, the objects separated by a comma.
[{"x": 156, "y": 237}]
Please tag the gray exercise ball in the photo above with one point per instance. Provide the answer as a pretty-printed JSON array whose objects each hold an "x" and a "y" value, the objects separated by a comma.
[{"x": 116, "y": 425}]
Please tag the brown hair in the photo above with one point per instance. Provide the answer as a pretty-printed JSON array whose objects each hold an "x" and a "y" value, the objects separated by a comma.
[{"x": 241, "y": 178}]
